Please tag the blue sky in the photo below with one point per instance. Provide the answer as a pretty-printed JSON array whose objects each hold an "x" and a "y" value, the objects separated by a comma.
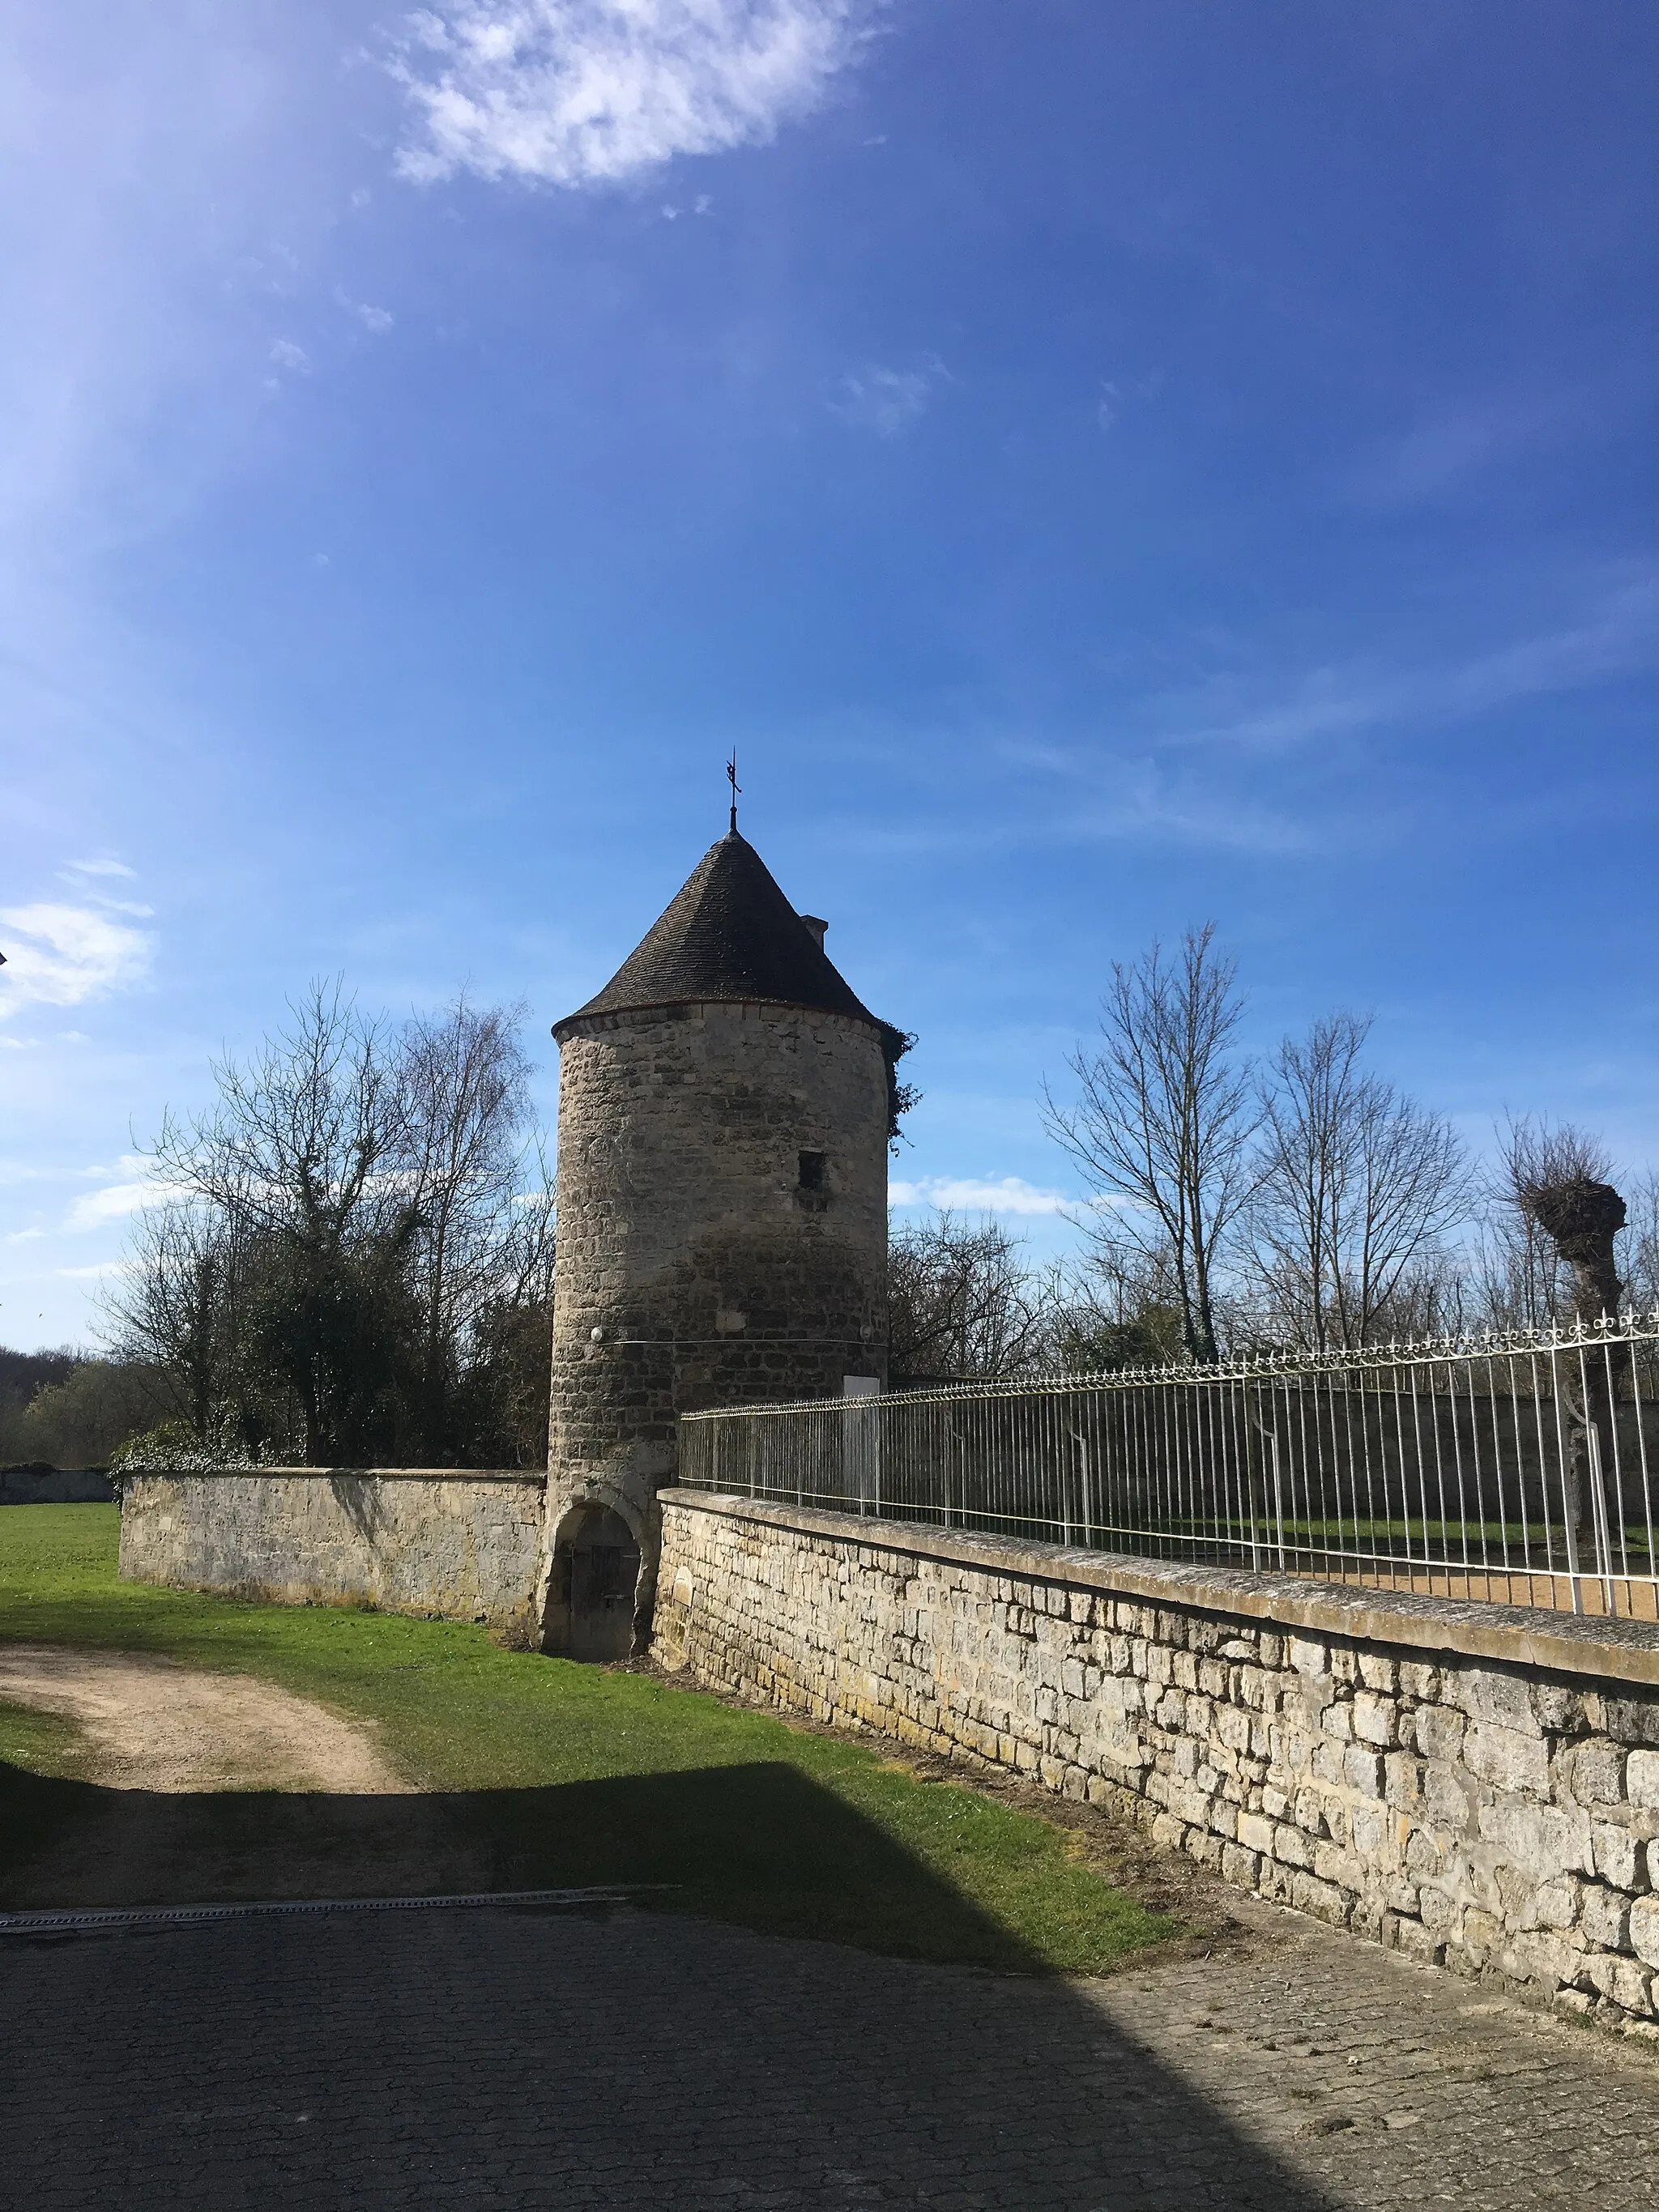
[{"x": 1103, "y": 466}]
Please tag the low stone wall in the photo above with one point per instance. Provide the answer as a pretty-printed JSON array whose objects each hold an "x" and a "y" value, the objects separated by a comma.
[
  {"x": 444, "y": 1541},
  {"x": 1475, "y": 1784}
]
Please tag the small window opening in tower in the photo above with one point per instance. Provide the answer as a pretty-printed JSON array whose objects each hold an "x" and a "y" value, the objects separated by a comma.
[{"x": 812, "y": 1165}]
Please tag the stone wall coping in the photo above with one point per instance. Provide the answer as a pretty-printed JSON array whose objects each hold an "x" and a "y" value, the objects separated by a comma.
[
  {"x": 1512, "y": 1635},
  {"x": 536, "y": 1475}
]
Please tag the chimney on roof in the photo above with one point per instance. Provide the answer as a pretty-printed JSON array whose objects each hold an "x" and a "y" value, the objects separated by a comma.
[{"x": 817, "y": 928}]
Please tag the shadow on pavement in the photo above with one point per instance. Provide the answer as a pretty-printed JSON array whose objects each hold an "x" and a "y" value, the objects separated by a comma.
[{"x": 508, "y": 2056}]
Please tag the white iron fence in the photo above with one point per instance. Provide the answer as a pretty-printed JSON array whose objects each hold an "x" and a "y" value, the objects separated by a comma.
[{"x": 1519, "y": 1467}]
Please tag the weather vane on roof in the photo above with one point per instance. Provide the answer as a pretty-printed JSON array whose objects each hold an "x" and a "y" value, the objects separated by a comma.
[{"x": 732, "y": 778}]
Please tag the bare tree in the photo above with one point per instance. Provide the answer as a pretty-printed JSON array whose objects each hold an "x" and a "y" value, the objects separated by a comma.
[
  {"x": 1117, "y": 1308},
  {"x": 174, "y": 1307},
  {"x": 347, "y": 1257},
  {"x": 1639, "y": 1263},
  {"x": 299, "y": 1160},
  {"x": 1356, "y": 1186},
  {"x": 961, "y": 1302},
  {"x": 1164, "y": 1119},
  {"x": 463, "y": 1084},
  {"x": 508, "y": 1340}
]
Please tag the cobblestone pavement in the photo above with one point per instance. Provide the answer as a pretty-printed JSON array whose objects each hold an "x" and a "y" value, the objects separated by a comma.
[{"x": 511, "y": 2056}]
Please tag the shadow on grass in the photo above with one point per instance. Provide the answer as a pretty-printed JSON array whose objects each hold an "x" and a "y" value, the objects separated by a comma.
[
  {"x": 251, "y": 2060},
  {"x": 760, "y": 1845}
]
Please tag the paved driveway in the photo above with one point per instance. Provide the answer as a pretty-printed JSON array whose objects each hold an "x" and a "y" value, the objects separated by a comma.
[{"x": 511, "y": 2056}]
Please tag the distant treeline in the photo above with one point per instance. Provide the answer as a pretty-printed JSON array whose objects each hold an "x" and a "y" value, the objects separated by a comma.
[{"x": 68, "y": 1409}]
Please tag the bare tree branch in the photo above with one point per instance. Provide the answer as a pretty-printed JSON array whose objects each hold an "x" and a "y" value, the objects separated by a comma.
[
  {"x": 1164, "y": 1118},
  {"x": 1356, "y": 1189}
]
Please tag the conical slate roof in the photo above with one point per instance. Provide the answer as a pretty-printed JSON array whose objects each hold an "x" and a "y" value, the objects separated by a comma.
[{"x": 731, "y": 933}]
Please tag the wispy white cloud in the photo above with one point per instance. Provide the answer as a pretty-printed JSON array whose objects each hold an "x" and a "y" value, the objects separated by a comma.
[
  {"x": 1454, "y": 443},
  {"x": 286, "y": 354},
  {"x": 378, "y": 320},
  {"x": 973, "y": 1194},
  {"x": 1617, "y": 635},
  {"x": 102, "y": 867},
  {"x": 59, "y": 956},
  {"x": 85, "y": 876},
  {"x": 591, "y": 91},
  {"x": 117, "y": 1201},
  {"x": 1118, "y": 394},
  {"x": 99, "y": 1270},
  {"x": 888, "y": 400}
]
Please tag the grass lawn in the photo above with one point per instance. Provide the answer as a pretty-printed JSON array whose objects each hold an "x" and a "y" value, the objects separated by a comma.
[{"x": 567, "y": 1775}]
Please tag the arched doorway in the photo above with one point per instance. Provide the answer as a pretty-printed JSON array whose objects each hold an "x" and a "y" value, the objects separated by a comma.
[{"x": 589, "y": 1598}]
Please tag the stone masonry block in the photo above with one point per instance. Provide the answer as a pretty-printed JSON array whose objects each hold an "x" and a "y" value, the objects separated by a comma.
[
  {"x": 1425, "y": 1854},
  {"x": 1553, "y": 1904},
  {"x": 1374, "y": 1719},
  {"x": 1499, "y": 1700},
  {"x": 1644, "y": 1929},
  {"x": 1415, "y": 1940},
  {"x": 1618, "y": 1855},
  {"x": 1439, "y": 1731},
  {"x": 1255, "y": 1834},
  {"x": 1308, "y": 1657},
  {"x": 1322, "y": 1900},
  {"x": 1621, "y": 1981},
  {"x": 1449, "y": 1797},
  {"x": 1595, "y": 1772},
  {"x": 1540, "y": 1956},
  {"x": 1641, "y": 1780},
  {"x": 1483, "y": 1933},
  {"x": 1240, "y": 1866},
  {"x": 1402, "y": 1783},
  {"x": 1605, "y": 1917},
  {"x": 1559, "y": 1710},
  {"x": 1510, "y": 1761},
  {"x": 1629, "y": 1720},
  {"x": 1370, "y": 1826},
  {"x": 1291, "y": 1847},
  {"x": 1333, "y": 1864},
  {"x": 1441, "y": 1912}
]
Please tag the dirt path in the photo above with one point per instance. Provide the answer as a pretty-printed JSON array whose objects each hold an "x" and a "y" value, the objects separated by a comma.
[
  {"x": 152, "y": 1724},
  {"x": 193, "y": 1786}
]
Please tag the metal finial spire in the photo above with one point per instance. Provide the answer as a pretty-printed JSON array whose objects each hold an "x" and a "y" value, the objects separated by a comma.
[{"x": 732, "y": 778}]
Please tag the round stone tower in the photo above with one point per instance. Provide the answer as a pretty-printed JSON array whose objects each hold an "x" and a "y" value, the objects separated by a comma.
[{"x": 724, "y": 1108}]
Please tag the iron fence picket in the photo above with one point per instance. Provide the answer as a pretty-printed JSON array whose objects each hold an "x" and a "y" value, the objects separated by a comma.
[{"x": 1407, "y": 1464}]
